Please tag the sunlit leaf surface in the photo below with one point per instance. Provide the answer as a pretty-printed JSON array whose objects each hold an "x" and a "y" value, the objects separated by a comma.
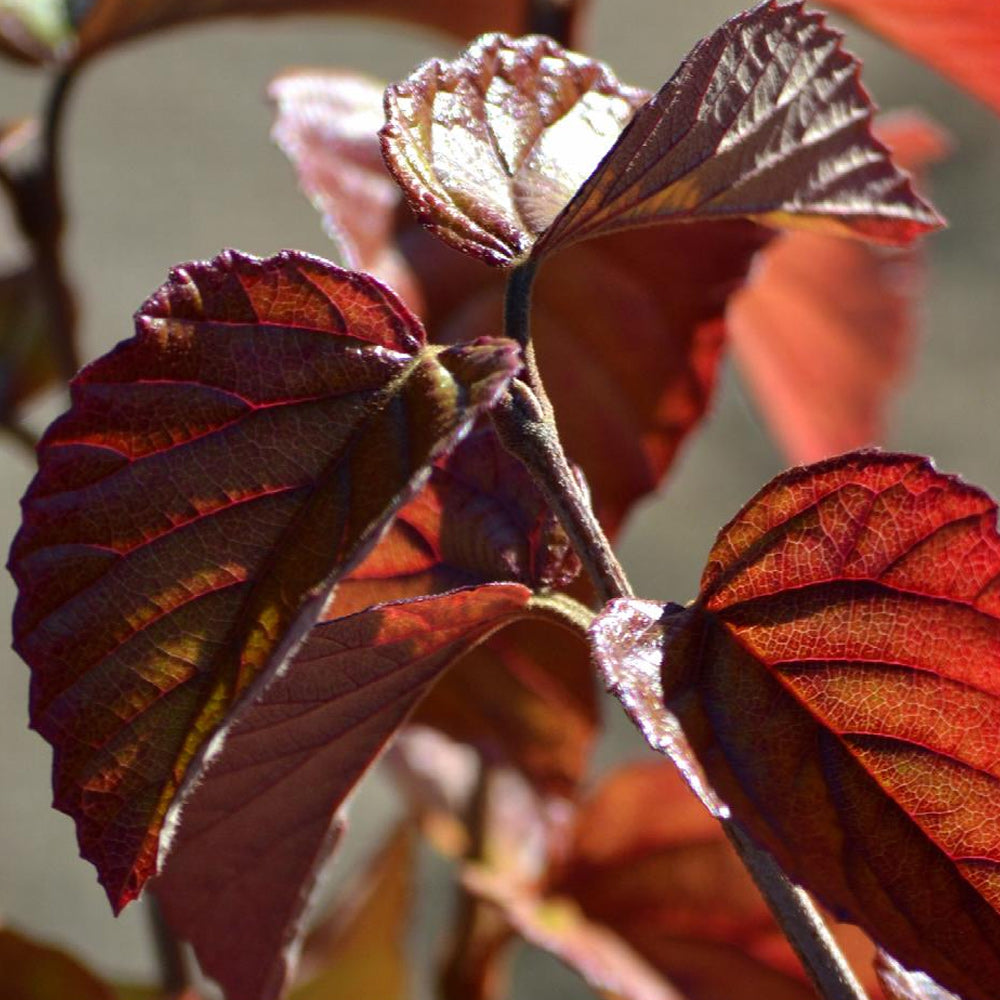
[
  {"x": 213, "y": 478},
  {"x": 838, "y": 681}
]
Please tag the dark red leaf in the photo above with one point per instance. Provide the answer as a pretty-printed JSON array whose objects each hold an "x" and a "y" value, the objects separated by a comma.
[
  {"x": 766, "y": 119},
  {"x": 34, "y": 971},
  {"x": 960, "y": 38},
  {"x": 262, "y": 821},
  {"x": 488, "y": 148},
  {"x": 669, "y": 286},
  {"x": 479, "y": 519},
  {"x": 836, "y": 680},
  {"x": 214, "y": 477},
  {"x": 825, "y": 328},
  {"x": 527, "y": 695}
]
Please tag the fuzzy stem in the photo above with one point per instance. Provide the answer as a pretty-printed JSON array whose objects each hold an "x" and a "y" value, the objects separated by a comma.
[
  {"x": 802, "y": 925},
  {"x": 526, "y": 432}
]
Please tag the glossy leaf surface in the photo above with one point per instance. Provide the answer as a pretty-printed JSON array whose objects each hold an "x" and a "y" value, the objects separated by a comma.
[
  {"x": 488, "y": 148},
  {"x": 31, "y": 970},
  {"x": 766, "y": 119},
  {"x": 667, "y": 285},
  {"x": 64, "y": 30},
  {"x": 837, "y": 681},
  {"x": 825, "y": 328},
  {"x": 256, "y": 830},
  {"x": 212, "y": 479},
  {"x": 959, "y": 38}
]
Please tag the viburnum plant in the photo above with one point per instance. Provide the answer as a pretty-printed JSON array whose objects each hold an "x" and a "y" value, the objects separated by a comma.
[{"x": 307, "y": 513}]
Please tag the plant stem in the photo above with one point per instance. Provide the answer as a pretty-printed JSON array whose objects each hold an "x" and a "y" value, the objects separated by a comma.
[
  {"x": 175, "y": 973},
  {"x": 527, "y": 433},
  {"x": 800, "y": 921}
]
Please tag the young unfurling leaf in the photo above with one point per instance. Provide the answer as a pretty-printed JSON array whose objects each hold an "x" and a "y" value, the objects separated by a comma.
[
  {"x": 490, "y": 147},
  {"x": 214, "y": 477},
  {"x": 765, "y": 120},
  {"x": 848, "y": 616}
]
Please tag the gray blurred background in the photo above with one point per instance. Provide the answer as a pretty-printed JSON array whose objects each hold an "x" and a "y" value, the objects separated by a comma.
[{"x": 168, "y": 159}]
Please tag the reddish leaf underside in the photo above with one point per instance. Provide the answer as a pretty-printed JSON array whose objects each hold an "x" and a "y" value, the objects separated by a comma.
[
  {"x": 959, "y": 38},
  {"x": 766, "y": 119},
  {"x": 838, "y": 680},
  {"x": 825, "y": 327},
  {"x": 262, "y": 821},
  {"x": 526, "y": 696},
  {"x": 488, "y": 148},
  {"x": 212, "y": 479}
]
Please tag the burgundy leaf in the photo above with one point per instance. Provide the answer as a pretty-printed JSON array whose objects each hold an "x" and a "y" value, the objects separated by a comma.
[
  {"x": 213, "y": 478},
  {"x": 847, "y": 620},
  {"x": 262, "y": 821}
]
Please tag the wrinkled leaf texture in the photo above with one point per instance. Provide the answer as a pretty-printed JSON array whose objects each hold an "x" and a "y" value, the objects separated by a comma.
[
  {"x": 959, "y": 38},
  {"x": 766, "y": 120},
  {"x": 825, "y": 327},
  {"x": 213, "y": 478},
  {"x": 836, "y": 680},
  {"x": 74, "y": 32}
]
